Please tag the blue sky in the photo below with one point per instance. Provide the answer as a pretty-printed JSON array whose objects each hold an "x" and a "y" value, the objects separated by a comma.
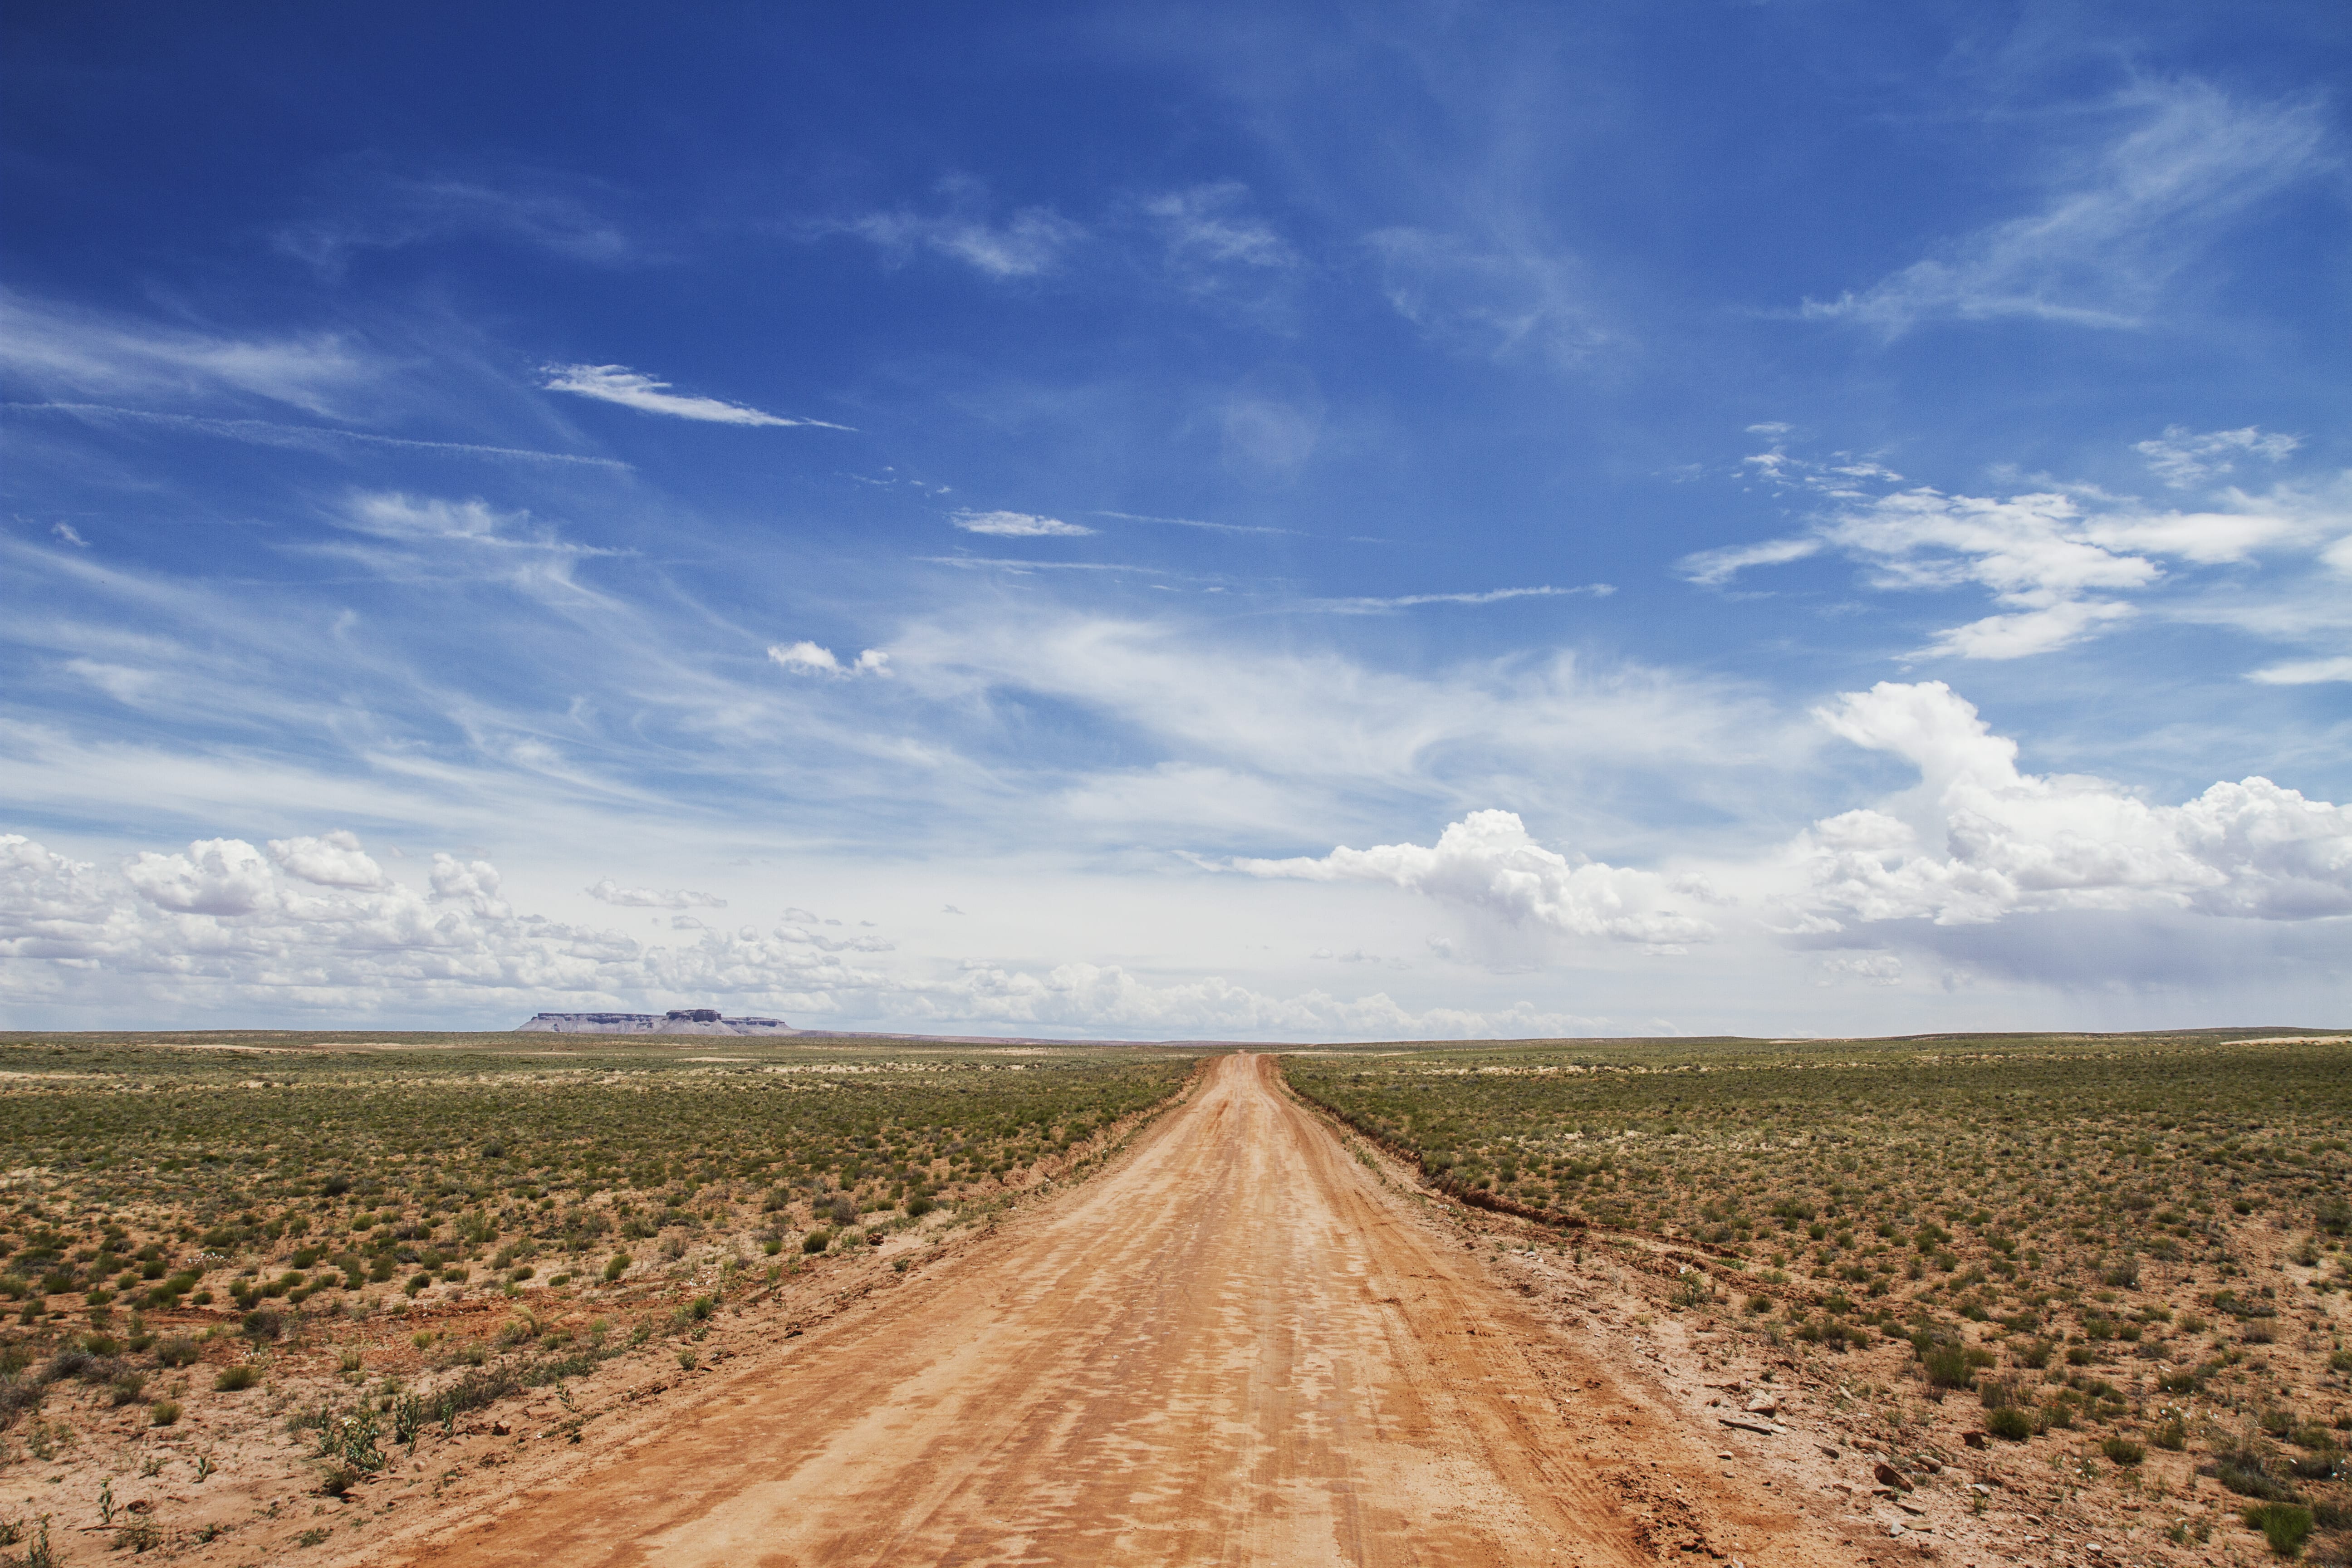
[{"x": 1256, "y": 522}]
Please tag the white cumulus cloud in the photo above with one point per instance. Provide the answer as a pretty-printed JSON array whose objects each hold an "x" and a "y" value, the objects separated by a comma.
[
  {"x": 1486, "y": 862},
  {"x": 813, "y": 658},
  {"x": 215, "y": 876},
  {"x": 331, "y": 860},
  {"x": 1980, "y": 840},
  {"x": 231, "y": 933},
  {"x": 1017, "y": 525},
  {"x": 220, "y": 926}
]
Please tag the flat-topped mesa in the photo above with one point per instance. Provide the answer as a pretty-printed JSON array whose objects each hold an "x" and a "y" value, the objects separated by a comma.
[{"x": 677, "y": 1021}]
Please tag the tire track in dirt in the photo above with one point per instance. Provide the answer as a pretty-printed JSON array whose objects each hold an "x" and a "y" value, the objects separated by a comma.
[{"x": 1236, "y": 1346}]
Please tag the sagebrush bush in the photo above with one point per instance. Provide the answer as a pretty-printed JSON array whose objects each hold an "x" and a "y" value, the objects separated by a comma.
[
  {"x": 2246, "y": 1471},
  {"x": 2285, "y": 1525},
  {"x": 1947, "y": 1366},
  {"x": 2010, "y": 1424}
]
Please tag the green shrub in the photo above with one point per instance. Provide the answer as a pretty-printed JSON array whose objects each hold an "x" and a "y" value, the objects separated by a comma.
[
  {"x": 163, "y": 1412},
  {"x": 1947, "y": 1366},
  {"x": 1827, "y": 1331},
  {"x": 2246, "y": 1472},
  {"x": 2123, "y": 1450},
  {"x": 816, "y": 1240},
  {"x": 2172, "y": 1437},
  {"x": 616, "y": 1266},
  {"x": 2285, "y": 1525},
  {"x": 230, "y": 1379},
  {"x": 2009, "y": 1425}
]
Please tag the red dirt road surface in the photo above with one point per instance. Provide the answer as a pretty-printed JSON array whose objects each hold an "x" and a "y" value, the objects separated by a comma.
[{"x": 1238, "y": 1345}]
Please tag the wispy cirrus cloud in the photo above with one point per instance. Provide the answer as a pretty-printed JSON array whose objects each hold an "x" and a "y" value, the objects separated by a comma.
[
  {"x": 1209, "y": 224},
  {"x": 1373, "y": 607},
  {"x": 633, "y": 389},
  {"x": 2182, "y": 457},
  {"x": 1033, "y": 241},
  {"x": 2116, "y": 230},
  {"x": 322, "y": 439},
  {"x": 1196, "y": 522},
  {"x": 1007, "y": 564},
  {"x": 1713, "y": 568},
  {"x": 1490, "y": 299},
  {"x": 55, "y": 346},
  {"x": 2058, "y": 562},
  {"x": 558, "y": 214},
  {"x": 423, "y": 539},
  {"x": 604, "y": 890},
  {"x": 2305, "y": 672}
]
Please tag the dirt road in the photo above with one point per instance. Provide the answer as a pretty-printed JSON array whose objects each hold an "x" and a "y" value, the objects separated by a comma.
[{"x": 1236, "y": 1346}]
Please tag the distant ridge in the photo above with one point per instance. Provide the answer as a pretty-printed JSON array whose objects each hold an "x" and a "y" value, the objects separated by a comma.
[{"x": 677, "y": 1021}]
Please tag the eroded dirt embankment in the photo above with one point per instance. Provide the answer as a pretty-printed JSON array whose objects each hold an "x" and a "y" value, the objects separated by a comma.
[{"x": 1238, "y": 1345}]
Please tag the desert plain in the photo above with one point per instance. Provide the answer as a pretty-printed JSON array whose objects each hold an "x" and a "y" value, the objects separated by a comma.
[{"x": 511, "y": 1298}]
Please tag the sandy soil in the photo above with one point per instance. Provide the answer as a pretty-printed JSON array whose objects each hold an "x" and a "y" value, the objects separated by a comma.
[{"x": 1241, "y": 1343}]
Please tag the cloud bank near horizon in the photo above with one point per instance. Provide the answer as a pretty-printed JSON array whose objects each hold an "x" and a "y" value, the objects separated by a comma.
[{"x": 316, "y": 922}]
